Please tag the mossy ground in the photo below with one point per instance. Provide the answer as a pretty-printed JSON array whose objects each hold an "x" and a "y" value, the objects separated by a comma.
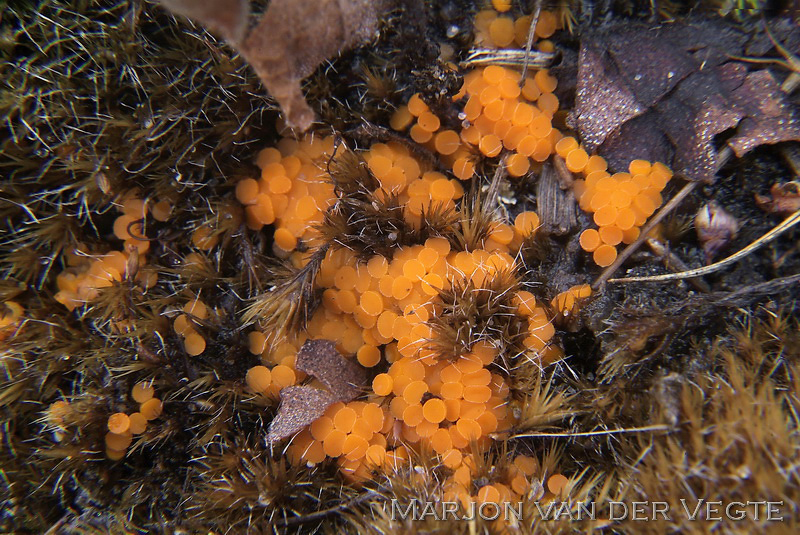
[{"x": 103, "y": 98}]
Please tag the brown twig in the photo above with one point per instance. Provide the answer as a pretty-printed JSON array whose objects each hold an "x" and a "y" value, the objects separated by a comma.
[
  {"x": 319, "y": 515},
  {"x": 645, "y": 429},
  {"x": 673, "y": 262},
  {"x": 655, "y": 220},
  {"x": 529, "y": 41}
]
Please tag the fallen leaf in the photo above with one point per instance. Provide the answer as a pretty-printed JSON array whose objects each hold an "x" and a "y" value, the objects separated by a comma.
[
  {"x": 228, "y": 18},
  {"x": 663, "y": 93},
  {"x": 321, "y": 360},
  {"x": 300, "y": 406},
  {"x": 767, "y": 120},
  {"x": 289, "y": 41}
]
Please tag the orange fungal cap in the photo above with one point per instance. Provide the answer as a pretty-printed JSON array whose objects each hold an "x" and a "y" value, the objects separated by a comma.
[
  {"x": 590, "y": 240},
  {"x": 258, "y": 378},
  {"x": 119, "y": 423},
  {"x": 501, "y": 31},
  {"x": 138, "y": 423},
  {"x": 416, "y": 106},
  {"x": 151, "y": 409},
  {"x": 142, "y": 392},
  {"x": 604, "y": 255},
  {"x": 194, "y": 344},
  {"x": 434, "y": 410},
  {"x": 118, "y": 443}
]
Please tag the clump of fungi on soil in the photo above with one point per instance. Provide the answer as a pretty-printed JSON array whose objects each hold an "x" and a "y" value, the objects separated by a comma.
[{"x": 286, "y": 266}]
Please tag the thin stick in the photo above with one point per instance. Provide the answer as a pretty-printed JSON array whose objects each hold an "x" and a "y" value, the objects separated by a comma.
[
  {"x": 508, "y": 57},
  {"x": 320, "y": 515},
  {"x": 529, "y": 42},
  {"x": 788, "y": 223},
  {"x": 595, "y": 433},
  {"x": 674, "y": 263},
  {"x": 790, "y": 84}
]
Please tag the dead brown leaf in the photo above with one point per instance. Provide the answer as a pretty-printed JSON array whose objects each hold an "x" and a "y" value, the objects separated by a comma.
[
  {"x": 768, "y": 118},
  {"x": 289, "y": 41},
  {"x": 321, "y": 360},
  {"x": 227, "y": 18},
  {"x": 300, "y": 406},
  {"x": 663, "y": 93}
]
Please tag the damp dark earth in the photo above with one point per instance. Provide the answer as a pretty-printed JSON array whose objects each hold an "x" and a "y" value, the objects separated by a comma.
[{"x": 399, "y": 266}]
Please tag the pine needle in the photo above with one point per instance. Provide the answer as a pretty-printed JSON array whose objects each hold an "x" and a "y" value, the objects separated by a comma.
[
  {"x": 645, "y": 429},
  {"x": 787, "y": 224}
]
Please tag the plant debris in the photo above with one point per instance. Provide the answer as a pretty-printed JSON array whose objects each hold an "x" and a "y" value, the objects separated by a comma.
[
  {"x": 665, "y": 92},
  {"x": 321, "y": 360},
  {"x": 784, "y": 199},
  {"x": 300, "y": 405},
  {"x": 715, "y": 227},
  {"x": 289, "y": 41}
]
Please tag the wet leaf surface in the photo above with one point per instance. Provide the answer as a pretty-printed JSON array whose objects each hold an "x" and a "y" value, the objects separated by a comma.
[{"x": 663, "y": 93}]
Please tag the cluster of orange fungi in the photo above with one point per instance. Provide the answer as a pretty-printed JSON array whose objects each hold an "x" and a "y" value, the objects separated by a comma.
[
  {"x": 620, "y": 203},
  {"x": 122, "y": 426},
  {"x": 88, "y": 272},
  {"x": 185, "y": 325}
]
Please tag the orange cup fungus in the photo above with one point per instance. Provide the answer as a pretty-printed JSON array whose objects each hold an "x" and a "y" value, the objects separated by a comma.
[
  {"x": 379, "y": 310},
  {"x": 292, "y": 192},
  {"x": 193, "y": 342},
  {"x": 10, "y": 318},
  {"x": 87, "y": 273},
  {"x": 567, "y": 303},
  {"x": 423, "y": 398},
  {"x": 621, "y": 203},
  {"x": 122, "y": 426},
  {"x": 495, "y": 28},
  {"x": 500, "y": 116}
]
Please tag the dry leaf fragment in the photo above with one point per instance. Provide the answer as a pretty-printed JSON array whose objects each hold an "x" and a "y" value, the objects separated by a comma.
[
  {"x": 321, "y": 360},
  {"x": 300, "y": 406},
  {"x": 228, "y": 18},
  {"x": 290, "y": 40},
  {"x": 785, "y": 199},
  {"x": 293, "y": 37}
]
